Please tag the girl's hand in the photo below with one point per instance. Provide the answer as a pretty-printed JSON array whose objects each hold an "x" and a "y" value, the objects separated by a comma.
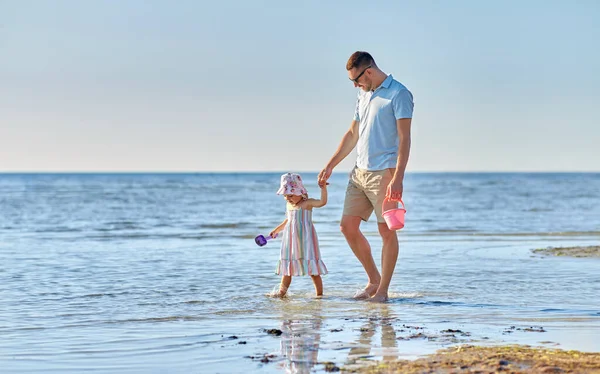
[
  {"x": 273, "y": 233},
  {"x": 324, "y": 175}
]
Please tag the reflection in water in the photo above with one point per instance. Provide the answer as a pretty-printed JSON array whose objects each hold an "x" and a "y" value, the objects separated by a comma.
[
  {"x": 388, "y": 348},
  {"x": 300, "y": 341}
]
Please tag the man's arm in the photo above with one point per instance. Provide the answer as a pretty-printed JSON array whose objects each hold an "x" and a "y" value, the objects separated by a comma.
[
  {"x": 404, "y": 147},
  {"x": 396, "y": 188},
  {"x": 346, "y": 146}
]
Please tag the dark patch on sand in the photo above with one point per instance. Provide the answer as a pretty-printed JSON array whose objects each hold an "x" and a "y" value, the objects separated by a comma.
[
  {"x": 275, "y": 332},
  {"x": 527, "y": 329},
  {"x": 264, "y": 358},
  {"x": 330, "y": 367},
  {"x": 445, "y": 336}
]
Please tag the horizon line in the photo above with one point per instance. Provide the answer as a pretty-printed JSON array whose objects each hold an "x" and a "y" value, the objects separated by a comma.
[{"x": 298, "y": 171}]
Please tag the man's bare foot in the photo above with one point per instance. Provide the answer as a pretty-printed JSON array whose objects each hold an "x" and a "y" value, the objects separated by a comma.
[
  {"x": 378, "y": 298},
  {"x": 366, "y": 292}
]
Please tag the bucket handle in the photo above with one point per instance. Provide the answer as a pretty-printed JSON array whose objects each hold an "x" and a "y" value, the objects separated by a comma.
[{"x": 386, "y": 199}]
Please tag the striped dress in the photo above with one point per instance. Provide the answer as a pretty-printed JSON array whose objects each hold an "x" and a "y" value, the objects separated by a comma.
[{"x": 300, "y": 253}]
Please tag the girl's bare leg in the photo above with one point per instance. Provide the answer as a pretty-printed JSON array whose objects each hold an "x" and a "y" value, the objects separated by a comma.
[
  {"x": 286, "y": 280},
  {"x": 318, "y": 284}
]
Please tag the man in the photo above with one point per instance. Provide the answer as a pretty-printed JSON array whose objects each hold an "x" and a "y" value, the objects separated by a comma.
[{"x": 381, "y": 132}]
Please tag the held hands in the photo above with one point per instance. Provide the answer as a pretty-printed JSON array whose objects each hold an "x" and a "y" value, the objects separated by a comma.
[
  {"x": 394, "y": 190},
  {"x": 323, "y": 176}
]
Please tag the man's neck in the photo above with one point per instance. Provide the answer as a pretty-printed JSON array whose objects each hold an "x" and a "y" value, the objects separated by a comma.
[{"x": 380, "y": 77}]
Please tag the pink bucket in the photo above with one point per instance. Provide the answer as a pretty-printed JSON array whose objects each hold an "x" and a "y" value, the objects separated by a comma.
[{"x": 394, "y": 218}]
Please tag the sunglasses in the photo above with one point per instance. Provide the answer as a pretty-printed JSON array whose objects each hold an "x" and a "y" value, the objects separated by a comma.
[{"x": 355, "y": 80}]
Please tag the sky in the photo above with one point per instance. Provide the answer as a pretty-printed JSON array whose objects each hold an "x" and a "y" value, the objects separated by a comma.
[{"x": 194, "y": 86}]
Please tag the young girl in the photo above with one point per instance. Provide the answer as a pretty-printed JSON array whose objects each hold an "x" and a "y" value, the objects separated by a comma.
[{"x": 300, "y": 253}]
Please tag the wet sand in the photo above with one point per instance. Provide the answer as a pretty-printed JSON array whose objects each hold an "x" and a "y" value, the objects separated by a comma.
[
  {"x": 476, "y": 359},
  {"x": 504, "y": 358},
  {"x": 581, "y": 251},
  {"x": 471, "y": 352}
]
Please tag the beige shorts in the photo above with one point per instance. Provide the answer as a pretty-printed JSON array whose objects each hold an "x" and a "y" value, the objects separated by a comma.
[{"x": 366, "y": 192}]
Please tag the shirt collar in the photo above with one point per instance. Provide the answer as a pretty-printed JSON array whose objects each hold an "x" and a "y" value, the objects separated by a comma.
[{"x": 386, "y": 83}]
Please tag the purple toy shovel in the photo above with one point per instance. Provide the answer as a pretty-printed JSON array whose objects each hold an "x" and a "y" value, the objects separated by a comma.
[{"x": 261, "y": 240}]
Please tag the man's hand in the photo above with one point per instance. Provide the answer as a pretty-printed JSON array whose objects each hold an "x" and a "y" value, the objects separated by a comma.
[
  {"x": 394, "y": 190},
  {"x": 324, "y": 175}
]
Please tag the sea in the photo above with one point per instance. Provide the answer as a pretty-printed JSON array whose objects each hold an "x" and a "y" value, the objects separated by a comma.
[{"x": 159, "y": 272}]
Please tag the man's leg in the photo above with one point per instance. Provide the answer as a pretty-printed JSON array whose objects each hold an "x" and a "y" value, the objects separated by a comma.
[
  {"x": 389, "y": 256},
  {"x": 357, "y": 208},
  {"x": 350, "y": 227},
  {"x": 376, "y": 187}
]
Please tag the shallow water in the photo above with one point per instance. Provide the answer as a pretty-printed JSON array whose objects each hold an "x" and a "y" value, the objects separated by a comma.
[{"x": 160, "y": 273}]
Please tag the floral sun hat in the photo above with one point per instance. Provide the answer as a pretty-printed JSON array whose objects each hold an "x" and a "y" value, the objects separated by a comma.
[{"x": 291, "y": 184}]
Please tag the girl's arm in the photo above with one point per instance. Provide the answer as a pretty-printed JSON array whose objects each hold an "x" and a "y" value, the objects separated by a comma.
[
  {"x": 317, "y": 203},
  {"x": 278, "y": 229}
]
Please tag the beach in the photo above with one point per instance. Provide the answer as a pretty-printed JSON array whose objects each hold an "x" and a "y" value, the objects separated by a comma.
[
  {"x": 135, "y": 273},
  {"x": 513, "y": 359}
]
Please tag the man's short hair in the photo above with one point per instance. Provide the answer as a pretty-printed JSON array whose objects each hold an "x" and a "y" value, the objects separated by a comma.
[{"x": 360, "y": 59}]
